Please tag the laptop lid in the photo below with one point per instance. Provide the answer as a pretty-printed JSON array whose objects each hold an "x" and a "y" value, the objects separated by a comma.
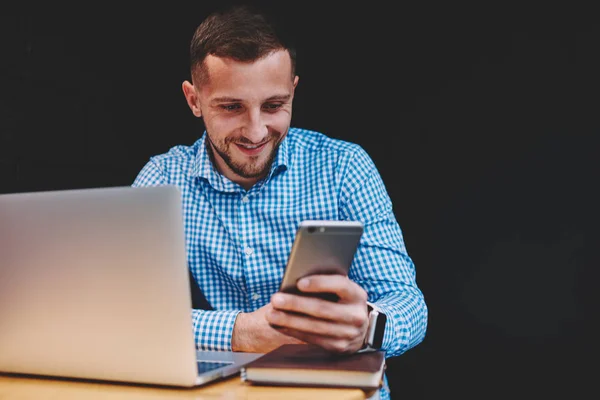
[{"x": 94, "y": 284}]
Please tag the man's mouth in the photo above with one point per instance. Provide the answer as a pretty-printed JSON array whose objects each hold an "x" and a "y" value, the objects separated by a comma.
[{"x": 251, "y": 149}]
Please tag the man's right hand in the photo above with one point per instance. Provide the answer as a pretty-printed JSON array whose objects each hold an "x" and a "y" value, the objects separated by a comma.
[{"x": 252, "y": 333}]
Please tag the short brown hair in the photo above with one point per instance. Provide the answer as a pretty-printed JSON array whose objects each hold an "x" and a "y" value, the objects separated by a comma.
[{"x": 240, "y": 32}]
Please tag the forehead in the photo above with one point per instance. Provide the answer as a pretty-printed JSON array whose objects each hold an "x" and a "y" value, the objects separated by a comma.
[{"x": 262, "y": 78}]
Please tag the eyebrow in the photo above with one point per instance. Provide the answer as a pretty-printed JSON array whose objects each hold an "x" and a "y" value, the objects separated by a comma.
[{"x": 226, "y": 99}]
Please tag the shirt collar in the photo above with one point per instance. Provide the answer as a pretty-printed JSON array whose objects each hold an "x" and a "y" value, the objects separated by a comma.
[
  {"x": 204, "y": 168},
  {"x": 281, "y": 161}
]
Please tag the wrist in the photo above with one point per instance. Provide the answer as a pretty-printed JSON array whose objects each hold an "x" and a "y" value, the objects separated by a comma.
[{"x": 239, "y": 334}]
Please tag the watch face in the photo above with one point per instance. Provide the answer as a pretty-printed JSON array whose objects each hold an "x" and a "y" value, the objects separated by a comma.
[{"x": 379, "y": 330}]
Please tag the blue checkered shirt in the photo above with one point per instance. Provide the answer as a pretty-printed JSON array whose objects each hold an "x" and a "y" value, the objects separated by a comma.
[{"x": 238, "y": 241}]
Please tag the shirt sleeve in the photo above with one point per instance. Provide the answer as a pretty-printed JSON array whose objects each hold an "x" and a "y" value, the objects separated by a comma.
[
  {"x": 150, "y": 175},
  {"x": 212, "y": 329},
  {"x": 382, "y": 265}
]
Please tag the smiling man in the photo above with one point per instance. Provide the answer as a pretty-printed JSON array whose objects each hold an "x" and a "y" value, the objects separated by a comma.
[
  {"x": 251, "y": 179},
  {"x": 247, "y": 108}
]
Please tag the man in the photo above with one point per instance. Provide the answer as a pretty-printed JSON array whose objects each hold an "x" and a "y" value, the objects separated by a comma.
[{"x": 251, "y": 179}]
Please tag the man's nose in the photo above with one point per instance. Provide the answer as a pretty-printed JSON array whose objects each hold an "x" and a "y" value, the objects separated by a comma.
[{"x": 256, "y": 127}]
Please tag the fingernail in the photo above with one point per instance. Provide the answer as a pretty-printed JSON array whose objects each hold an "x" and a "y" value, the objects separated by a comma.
[
  {"x": 303, "y": 283},
  {"x": 277, "y": 300}
]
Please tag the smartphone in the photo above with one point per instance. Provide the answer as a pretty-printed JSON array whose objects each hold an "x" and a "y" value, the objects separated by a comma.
[{"x": 321, "y": 247}]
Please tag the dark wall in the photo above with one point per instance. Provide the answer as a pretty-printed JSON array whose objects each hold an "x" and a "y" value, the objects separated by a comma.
[{"x": 483, "y": 121}]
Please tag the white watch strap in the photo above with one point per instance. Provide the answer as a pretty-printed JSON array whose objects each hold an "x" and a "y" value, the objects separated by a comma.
[
  {"x": 374, "y": 306},
  {"x": 370, "y": 336}
]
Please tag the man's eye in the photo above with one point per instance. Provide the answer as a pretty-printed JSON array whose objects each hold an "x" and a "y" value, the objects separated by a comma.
[
  {"x": 272, "y": 106},
  {"x": 231, "y": 107}
]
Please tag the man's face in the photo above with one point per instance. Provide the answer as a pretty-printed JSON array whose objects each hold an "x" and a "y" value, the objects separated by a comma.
[{"x": 247, "y": 109}]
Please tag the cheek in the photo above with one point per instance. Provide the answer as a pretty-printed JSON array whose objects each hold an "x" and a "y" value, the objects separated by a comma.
[
  {"x": 220, "y": 128},
  {"x": 279, "y": 121}
]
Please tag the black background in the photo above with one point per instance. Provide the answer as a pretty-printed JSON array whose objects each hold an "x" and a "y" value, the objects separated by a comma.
[{"x": 482, "y": 118}]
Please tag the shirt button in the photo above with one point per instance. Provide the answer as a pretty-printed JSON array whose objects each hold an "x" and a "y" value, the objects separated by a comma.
[
  {"x": 248, "y": 251},
  {"x": 255, "y": 296},
  {"x": 245, "y": 199}
]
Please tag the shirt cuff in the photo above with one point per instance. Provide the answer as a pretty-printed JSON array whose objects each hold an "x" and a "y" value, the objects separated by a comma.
[{"x": 213, "y": 329}]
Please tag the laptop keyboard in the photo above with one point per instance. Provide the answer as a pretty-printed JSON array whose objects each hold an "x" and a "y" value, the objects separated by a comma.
[{"x": 205, "y": 366}]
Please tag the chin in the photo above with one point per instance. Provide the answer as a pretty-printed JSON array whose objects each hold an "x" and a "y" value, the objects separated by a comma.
[{"x": 256, "y": 173}]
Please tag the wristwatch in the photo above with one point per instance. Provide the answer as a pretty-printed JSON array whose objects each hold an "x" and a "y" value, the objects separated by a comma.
[{"x": 377, "y": 320}]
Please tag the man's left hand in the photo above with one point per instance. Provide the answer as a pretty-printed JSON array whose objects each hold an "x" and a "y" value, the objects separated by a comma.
[{"x": 336, "y": 326}]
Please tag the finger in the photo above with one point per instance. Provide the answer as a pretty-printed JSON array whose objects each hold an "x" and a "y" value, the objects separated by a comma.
[
  {"x": 322, "y": 309},
  {"x": 335, "y": 345},
  {"x": 313, "y": 326},
  {"x": 341, "y": 285}
]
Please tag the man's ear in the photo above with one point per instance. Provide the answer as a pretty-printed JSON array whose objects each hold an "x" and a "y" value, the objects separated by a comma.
[{"x": 191, "y": 96}]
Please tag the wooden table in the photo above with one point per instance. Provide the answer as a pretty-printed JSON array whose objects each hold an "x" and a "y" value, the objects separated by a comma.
[{"x": 30, "y": 387}]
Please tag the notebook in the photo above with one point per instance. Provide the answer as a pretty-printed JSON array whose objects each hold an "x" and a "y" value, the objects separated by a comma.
[
  {"x": 94, "y": 285},
  {"x": 311, "y": 365}
]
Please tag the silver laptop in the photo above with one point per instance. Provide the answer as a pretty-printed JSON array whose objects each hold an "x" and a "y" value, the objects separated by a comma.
[{"x": 94, "y": 285}]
